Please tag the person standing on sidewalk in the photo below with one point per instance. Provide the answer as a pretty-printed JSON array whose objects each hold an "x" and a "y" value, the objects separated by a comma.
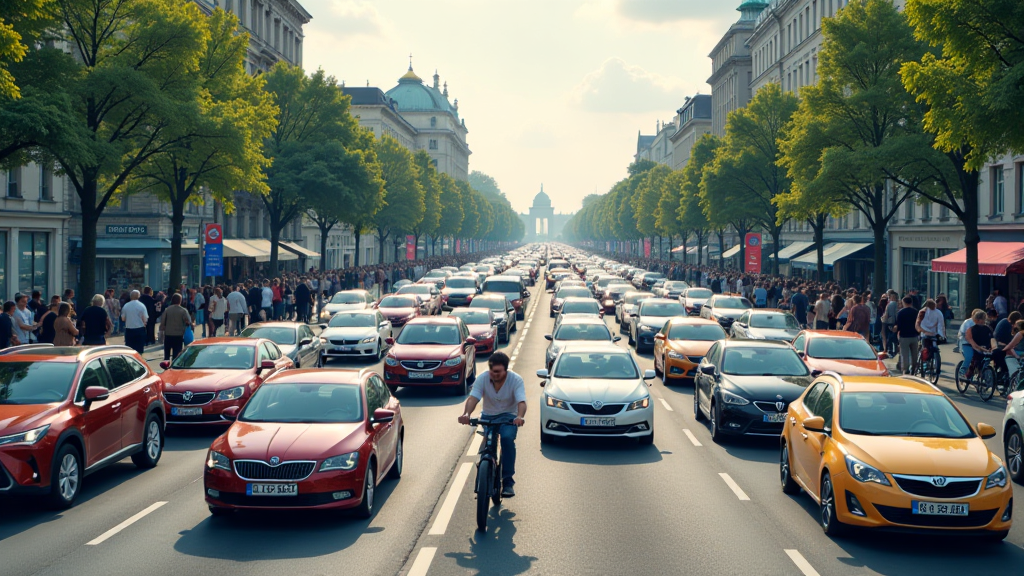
[
  {"x": 65, "y": 333},
  {"x": 24, "y": 320},
  {"x": 237, "y": 310},
  {"x": 136, "y": 321},
  {"x": 218, "y": 307},
  {"x": 94, "y": 323},
  {"x": 174, "y": 321},
  {"x": 199, "y": 305},
  {"x": 906, "y": 331},
  {"x": 7, "y": 336},
  {"x": 149, "y": 302},
  {"x": 267, "y": 301}
]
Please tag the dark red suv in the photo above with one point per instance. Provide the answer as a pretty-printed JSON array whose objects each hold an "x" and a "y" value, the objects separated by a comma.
[{"x": 67, "y": 412}]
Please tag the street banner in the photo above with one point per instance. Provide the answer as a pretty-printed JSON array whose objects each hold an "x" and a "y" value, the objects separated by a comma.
[
  {"x": 458, "y": 246},
  {"x": 647, "y": 247},
  {"x": 410, "y": 247},
  {"x": 213, "y": 248},
  {"x": 753, "y": 264}
]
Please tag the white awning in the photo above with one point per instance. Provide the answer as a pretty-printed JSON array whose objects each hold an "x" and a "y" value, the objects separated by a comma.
[
  {"x": 832, "y": 254},
  {"x": 264, "y": 247},
  {"x": 732, "y": 251},
  {"x": 240, "y": 249},
  {"x": 300, "y": 250},
  {"x": 794, "y": 249}
]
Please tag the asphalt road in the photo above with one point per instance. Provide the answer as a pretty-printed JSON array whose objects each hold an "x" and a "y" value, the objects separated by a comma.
[{"x": 682, "y": 506}]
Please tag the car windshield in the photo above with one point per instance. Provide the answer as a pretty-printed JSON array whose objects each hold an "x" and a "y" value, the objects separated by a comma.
[
  {"x": 447, "y": 334},
  {"x": 661, "y": 309},
  {"x": 573, "y": 291},
  {"x": 305, "y": 403},
  {"x": 583, "y": 332},
  {"x": 414, "y": 289},
  {"x": 702, "y": 332},
  {"x": 634, "y": 298},
  {"x": 353, "y": 321},
  {"x": 840, "y": 349},
  {"x": 581, "y": 307},
  {"x": 278, "y": 334},
  {"x": 698, "y": 293},
  {"x": 462, "y": 283},
  {"x": 492, "y": 303},
  {"x": 602, "y": 365},
  {"x": 470, "y": 316},
  {"x": 763, "y": 361},
  {"x": 396, "y": 302},
  {"x": 348, "y": 298},
  {"x": 216, "y": 357},
  {"x": 35, "y": 382},
  {"x": 652, "y": 276},
  {"x": 777, "y": 321},
  {"x": 901, "y": 414},
  {"x": 675, "y": 286},
  {"x": 435, "y": 274},
  {"x": 738, "y": 303},
  {"x": 501, "y": 286}
]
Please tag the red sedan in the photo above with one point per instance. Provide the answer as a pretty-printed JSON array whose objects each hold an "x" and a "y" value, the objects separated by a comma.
[
  {"x": 308, "y": 439},
  {"x": 214, "y": 374},
  {"x": 399, "y": 309},
  {"x": 432, "y": 352},
  {"x": 482, "y": 327}
]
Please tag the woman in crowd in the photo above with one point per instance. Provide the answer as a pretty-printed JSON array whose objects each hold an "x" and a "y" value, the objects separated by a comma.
[{"x": 65, "y": 333}]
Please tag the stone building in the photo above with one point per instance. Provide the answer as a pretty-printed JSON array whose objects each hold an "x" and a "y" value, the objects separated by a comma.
[
  {"x": 33, "y": 230},
  {"x": 693, "y": 120},
  {"x": 731, "y": 71},
  {"x": 541, "y": 221}
]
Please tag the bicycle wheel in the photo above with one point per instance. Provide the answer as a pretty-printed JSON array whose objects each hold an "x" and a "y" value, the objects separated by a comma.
[
  {"x": 496, "y": 492},
  {"x": 936, "y": 367},
  {"x": 962, "y": 383},
  {"x": 986, "y": 383},
  {"x": 484, "y": 485}
]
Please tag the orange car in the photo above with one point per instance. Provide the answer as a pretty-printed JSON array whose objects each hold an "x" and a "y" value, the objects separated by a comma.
[
  {"x": 680, "y": 346},
  {"x": 893, "y": 453},
  {"x": 847, "y": 353}
]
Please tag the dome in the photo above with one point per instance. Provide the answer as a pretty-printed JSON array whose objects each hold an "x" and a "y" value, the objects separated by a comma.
[
  {"x": 412, "y": 95},
  {"x": 541, "y": 200}
]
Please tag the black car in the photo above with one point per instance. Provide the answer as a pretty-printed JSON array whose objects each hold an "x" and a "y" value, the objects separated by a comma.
[{"x": 745, "y": 386}]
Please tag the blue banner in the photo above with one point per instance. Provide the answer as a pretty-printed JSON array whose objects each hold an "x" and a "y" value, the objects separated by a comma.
[{"x": 214, "y": 260}]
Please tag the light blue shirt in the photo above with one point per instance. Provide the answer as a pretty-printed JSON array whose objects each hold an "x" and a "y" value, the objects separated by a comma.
[
  {"x": 504, "y": 401},
  {"x": 760, "y": 296}
]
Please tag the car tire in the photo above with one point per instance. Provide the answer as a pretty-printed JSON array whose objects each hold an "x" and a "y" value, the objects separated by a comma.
[
  {"x": 396, "y": 469},
  {"x": 658, "y": 371},
  {"x": 697, "y": 414},
  {"x": 380, "y": 350},
  {"x": 716, "y": 431},
  {"x": 789, "y": 486},
  {"x": 319, "y": 360},
  {"x": 393, "y": 389},
  {"x": 630, "y": 340},
  {"x": 1013, "y": 449},
  {"x": 827, "y": 517},
  {"x": 152, "y": 444},
  {"x": 365, "y": 508},
  {"x": 647, "y": 440},
  {"x": 66, "y": 478},
  {"x": 551, "y": 313}
]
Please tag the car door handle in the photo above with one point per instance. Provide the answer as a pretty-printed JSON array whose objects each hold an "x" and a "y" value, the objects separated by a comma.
[
  {"x": 804, "y": 434},
  {"x": 146, "y": 389},
  {"x": 792, "y": 421},
  {"x": 115, "y": 406}
]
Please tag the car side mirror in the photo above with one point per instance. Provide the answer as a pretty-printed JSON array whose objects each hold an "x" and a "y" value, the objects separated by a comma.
[
  {"x": 984, "y": 430},
  {"x": 471, "y": 341},
  {"x": 389, "y": 341},
  {"x": 165, "y": 365},
  {"x": 96, "y": 394},
  {"x": 382, "y": 416},
  {"x": 815, "y": 424},
  {"x": 708, "y": 369},
  {"x": 649, "y": 374},
  {"x": 883, "y": 356},
  {"x": 230, "y": 413},
  {"x": 305, "y": 342},
  {"x": 267, "y": 365},
  {"x": 815, "y": 373},
  {"x": 802, "y": 354},
  {"x": 548, "y": 337},
  {"x": 323, "y": 326},
  {"x": 542, "y": 373}
]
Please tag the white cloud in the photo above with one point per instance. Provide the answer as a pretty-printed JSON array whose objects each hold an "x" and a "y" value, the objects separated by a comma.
[
  {"x": 618, "y": 87},
  {"x": 352, "y": 19},
  {"x": 668, "y": 11}
]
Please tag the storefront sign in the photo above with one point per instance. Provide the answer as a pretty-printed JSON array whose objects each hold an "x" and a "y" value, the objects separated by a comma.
[
  {"x": 410, "y": 247},
  {"x": 213, "y": 257},
  {"x": 753, "y": 252},
  {"x": 127, "y": 229}
]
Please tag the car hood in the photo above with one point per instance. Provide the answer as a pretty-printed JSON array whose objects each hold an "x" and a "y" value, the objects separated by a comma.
[
  {"x": 729, "y": 312},
  {"x": 287, "y": 349},
  {"x": 655, "y": 322},
  {"x": 335, "y": 308},
  {"x": 774, "y": 333},
  {"x": 15, "y": 418},
  {"x": 849, "y": 367},
  {"x": 591, "y": 390},
  {"x": 694, "y": 301},
  {"x": 459, "y": 291},
  {"x": 691, "y": 347},
  {"x": 349, "y": 332},
  {"x": 204, "y": 380},
  {"x": 769, "y": 387},
  {"x": 264, "y": 440},
  {"x": 478, "y": 330},
  {"x": 923, "y": 456},
  {"x": 424, "y": 351},
  {"x": 397, "y": 312}
]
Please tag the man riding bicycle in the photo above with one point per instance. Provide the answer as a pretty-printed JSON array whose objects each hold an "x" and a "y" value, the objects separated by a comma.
[
  {"x": 932, "y": 325},
  {"x": 504, "y": 397}
]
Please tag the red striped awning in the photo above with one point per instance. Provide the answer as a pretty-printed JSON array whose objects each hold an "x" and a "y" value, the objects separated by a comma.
[{"x": 994, "y": 259}]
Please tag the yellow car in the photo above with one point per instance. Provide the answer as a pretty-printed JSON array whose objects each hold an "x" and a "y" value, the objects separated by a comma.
[
  {"x": 893, "y": 453},
  {"x": 681, "y": 344}
]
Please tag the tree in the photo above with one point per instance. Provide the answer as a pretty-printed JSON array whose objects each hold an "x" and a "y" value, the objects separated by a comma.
[
  {"x": 22, "y": 24},
  {"x": 470, "y": 212},
  {"x": 451, "y": 209},
  {"x": 666, "y": 215},
  {"x": 216, "y": 147},
  {"x": 403, "y": 194},
  {"x": 645, "y": 198},
  {"x": 724, "y": 203},
  {"x": 691, "y": 214},
  {"x": 485, "y": 184},
  {"x": 431, "y": 184}
]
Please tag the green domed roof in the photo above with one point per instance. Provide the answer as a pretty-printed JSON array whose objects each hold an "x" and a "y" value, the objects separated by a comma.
[
  {"x": 541, "y": 200},
  {"x": 412, "y": 95}
]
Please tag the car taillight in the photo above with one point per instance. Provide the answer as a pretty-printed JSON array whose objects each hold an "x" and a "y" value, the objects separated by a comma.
[{"x": 517, "y": 303}]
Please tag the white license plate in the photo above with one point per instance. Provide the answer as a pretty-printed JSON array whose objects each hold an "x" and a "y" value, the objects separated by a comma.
[
  {"x": 421, "y": 375},
  {"x": 344, "y": 348},
  {"x": 597, "y": 421},
  {"x": 939, "y": 508},
  {"x": 776, "y": 418},
  {"x": 186, "y": 411},
  {"x": 272, "y": 489}
]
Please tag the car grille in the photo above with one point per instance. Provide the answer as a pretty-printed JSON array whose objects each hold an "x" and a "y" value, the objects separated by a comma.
[
  {"x": 341, "y": 342},
  {"x": 198, "y": 419},
  {"x": 954, "y": 488},
  {"x": 239, "y": 499},
  {"x": 197, "y": 399},
  {"x": 257, "y": 470},
  {"x": 770, "y": 407},
  {"x": 589, "y": 410},
  {"x": 600, "y": 430},
  {"x": 974, "y": 518},
  {"x": 420, "y": 365},
  {"x": 695, "y": 359},
  {"x": 404, "y": 380}
]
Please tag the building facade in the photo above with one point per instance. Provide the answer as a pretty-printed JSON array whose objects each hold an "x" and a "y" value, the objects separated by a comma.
[
  {"x": 541, "y": 221},
  {"x": 693, "y": 120},
  {"x": 657, "y": 148},
  {"x": 731, "y": 68},
  {"x": 33, "y": 231}
]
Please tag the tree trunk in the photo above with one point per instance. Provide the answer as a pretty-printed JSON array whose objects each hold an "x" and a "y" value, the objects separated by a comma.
[
  {"x": 325, "y": 230},
  {"x": 177, "y": 220},
  {"x": 972, "y": 289},
  {"x": 381, "y": 239},
  {"x": 90, "y": 220},
  {"x": 355, "y": 259},
  {"x": 416, "y": 247},
  {"x": 776, "y": 233},
  {"x": 878, "y": 283},
  {"x": 819, "y": 245},
  {"x": 721, "y": 249},
  {"x": 275, "y": 240}
]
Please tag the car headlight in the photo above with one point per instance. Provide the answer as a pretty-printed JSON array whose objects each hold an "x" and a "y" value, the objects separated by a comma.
[
  {"x": 556, "y": 403},
  {"x": 390, "y": 361},
  {"x": 996, "y": 479},
  {"x": 28, "y": 437},
  {"x": 344, "y": 462},
  {"x": 368, "y": 339},
  {"x": 486, "y": 335},
  {"x": 217, "y": 460},
  {"x": 231, "y": 393},
  {"x": 734, "y": 399},
  {"x": 641, "y": 403},
  {"x": 453, "y": 361},
  {"x": 676, "y": 355},
  {"x": 865, "y": 473}
]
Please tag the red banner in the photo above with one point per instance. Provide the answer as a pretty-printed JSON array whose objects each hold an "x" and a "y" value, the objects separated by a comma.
[
  {"x": 458, "y": 246},
  {"x": 410, "y": 247},
  {"x": 214, "y": 234},
  {"x": 753, "y": 253},
  {"x": 647, "y": 247}
]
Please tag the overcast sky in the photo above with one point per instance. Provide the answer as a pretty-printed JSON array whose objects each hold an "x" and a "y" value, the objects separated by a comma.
[{"x": 552, "y": 91}]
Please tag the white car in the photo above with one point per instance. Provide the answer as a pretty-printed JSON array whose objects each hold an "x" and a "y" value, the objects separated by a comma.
[
  {"x": 1013, "y": 436},
  {"x": 597, "y": 391},
  {"x": 359, "y": 334},
  {"x": 345, "y": 301}
]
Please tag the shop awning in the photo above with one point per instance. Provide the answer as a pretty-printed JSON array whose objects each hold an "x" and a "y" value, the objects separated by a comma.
[
  {"x": 241, "y": 249},
  {"x": 732, "y": 251},
  {"x": 994, "y": 259},
  {"x": 679, "y": 249},
  {"x": 264, "y": 247},
  {"x": 832, "y": 254},
  {"x": 300, "y": 250},
  {"x": 794, "y": 249}
]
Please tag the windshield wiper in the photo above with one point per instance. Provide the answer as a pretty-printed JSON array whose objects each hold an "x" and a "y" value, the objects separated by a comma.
[{"x": 863, "y": 432}]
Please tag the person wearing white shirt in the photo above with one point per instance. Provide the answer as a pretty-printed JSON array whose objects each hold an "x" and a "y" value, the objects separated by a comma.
[
  {"x": 739, "y": 285},
  {"x": 237, "y": 306},
  {"x": 24, "y": 320},
  {"x": 135, "y": 318},
  {"x": 267, "y": 304}
]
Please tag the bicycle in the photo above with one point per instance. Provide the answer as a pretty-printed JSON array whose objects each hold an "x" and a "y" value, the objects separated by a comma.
[
  {"x": 488, "y": 469},
  {"x": 984, "y": 380},
  {"x": 929, "y": 361}
]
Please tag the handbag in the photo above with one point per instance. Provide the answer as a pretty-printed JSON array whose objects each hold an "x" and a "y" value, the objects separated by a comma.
[{"x": 189, "y": 336}]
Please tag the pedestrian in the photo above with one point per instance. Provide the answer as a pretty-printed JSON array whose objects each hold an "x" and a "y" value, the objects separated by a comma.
[
  {"x": 94, "y": 323},
  {"x": 37, "y": 306},
  {"x": 237, "y": 311},
  {"x": 113, "y": 308},
  {"x": 302, "y": 301},
  {"x": 46, "y": 330},
  {"x": 254, "y": 298},
  {"x": 8, "y": 337},
  {"x": 135, "y": 317},
  {"x": 218, "y": 307},
  {"x": 278, "y": 299},
  {"x": 267, "y": 301},
  {"x": 64, "y": 331},
  {"x": 24, "y": 320},
  {"x": 906, "y": 331},
  {"x": 199, "y": 305},
  {"x": 173, "y": 323},
  {"x": 859, "y": 318},
  {"x": 1000, "y": 304},
  {"x": 822, "y": 309},
  {"x": 889, "y": 322},
  {"x": 149, "y": 302}
]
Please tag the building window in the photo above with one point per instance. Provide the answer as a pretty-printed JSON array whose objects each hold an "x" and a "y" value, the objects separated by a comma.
[
  {"x": 433, "y": 121},
  {"x": 926, "y": 211},
  {"x": 998, "y": 190},
  {"x": 45, "y": 183},
  {"x": 943, "y": 213},
  {"x": 434, "y": 162},
  {"x": 13, "y": 186},
  {"x": 909, "y": 208},
  {"x": 433, "y": 145},
  {"x": 33, "y": 265}
]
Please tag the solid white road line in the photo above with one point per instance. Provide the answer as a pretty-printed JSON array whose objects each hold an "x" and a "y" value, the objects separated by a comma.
[
  {"x": 665, "y": 404},
  {"x": 802, "y": 563},
  {"x": 693, "y": 439},
  {"x": 734, "y": 486},
  {"x": 444, "y": 516},
  {"x": 422, "y": 563},
  {"x": 474, "y": 445},
  {"x": 109, "y": 533}
]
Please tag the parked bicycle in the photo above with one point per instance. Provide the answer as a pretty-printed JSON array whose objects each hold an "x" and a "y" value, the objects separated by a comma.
[
  {"x": 984, "y": 378},
  {"x": 488, "y": 468},
  {"x": 929, "y": 360}
]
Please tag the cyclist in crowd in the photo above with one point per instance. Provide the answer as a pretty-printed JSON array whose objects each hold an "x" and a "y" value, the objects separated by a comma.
[{"x": 931, "y": 324}]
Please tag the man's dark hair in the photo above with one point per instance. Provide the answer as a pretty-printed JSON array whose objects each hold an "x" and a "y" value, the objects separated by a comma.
[
  {"x": 908, "y": 300},
  {"x": 9, "y": 305},
  {"x": 498, "y": 358}
]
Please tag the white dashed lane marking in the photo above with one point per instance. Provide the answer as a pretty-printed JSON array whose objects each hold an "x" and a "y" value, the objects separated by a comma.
[
  {"x": 113, "y": 531},
  {"x": 693, "y": 439},
  {"x": 666, "y": 405},
  {"x": 734, "y": 486},
  {"x": 422, "y": 563},
  {"x": 444, "y": 516},
  {"x": 802, "y": 563}
]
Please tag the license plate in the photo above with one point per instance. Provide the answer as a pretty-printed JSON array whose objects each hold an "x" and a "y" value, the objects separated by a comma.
[
  {"x": 597, "y": 421},
  {"x": 344, "y": 348},
  {"x": 776, "y": 418},
  {"x": 272, "y": 489},
  {"x": 186, "y": 411},
  {"x": 939, "y": 509},
  {"x": 421, "y": 375}
]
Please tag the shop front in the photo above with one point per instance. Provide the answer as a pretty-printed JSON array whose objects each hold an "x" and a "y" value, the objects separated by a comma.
[
  {"x": 131, "y": 263},
  {"x": 1000, "y": 267},
  {"x": 850, "y": 264}
]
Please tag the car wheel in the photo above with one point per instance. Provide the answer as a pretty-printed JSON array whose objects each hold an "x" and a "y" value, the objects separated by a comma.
[
  {"x": 393, "y": 389},
  {"x": 396, "y": 469},
  {"x": 152, "y": 444},
  {"x": 697, "y": 414},
  {"x": 551, "y": 313},
  {"x": 365, "y": 509},
  {"x": 319, "y": 360},
  {"x": 647, "y": 440},
  {"x": 789, "y": 486},
  {"x": 829, "y": 521},
  {"x": 658, "y": 371},
  {"x": 380, "y": 350},
  {"x": 1013, "y": 446},
  {"x": 66, "y": 477},
  {"x": 630, "y": 340},
  {"x": 716, "y": 432}
]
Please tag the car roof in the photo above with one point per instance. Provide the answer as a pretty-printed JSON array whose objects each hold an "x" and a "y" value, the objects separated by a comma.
[
  {"x": 746, "y": 343},
  {"x": 507, "y": 277},
  {"x": 692, "y": 320},
  {"x": 593, "y": 346},
  {"x": 360, "y": 312},
  {"x": 582, "y": 319},
  {"x": 661, "y": 301},
  {"x": 831, "y": 334},
  {"x": 238, "y": 341},
  {"x": 904, "y": 384},
  {"x": 765, "y": 311},
  {"x": 47, "y": 353},
  {"x": 350, "y": 292},
  {"x": 579, "y": 299},
  {"x": 318, "y": 376},
  {"x": 433, "y": 320},
  {"x": 275, "y": 324}
]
